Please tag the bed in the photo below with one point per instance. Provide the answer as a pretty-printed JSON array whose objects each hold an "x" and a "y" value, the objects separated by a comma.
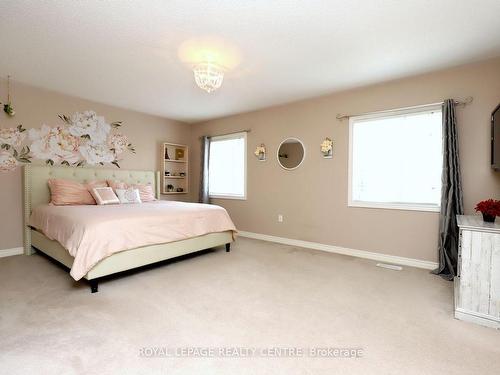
[{"x": 37, "y": 197}]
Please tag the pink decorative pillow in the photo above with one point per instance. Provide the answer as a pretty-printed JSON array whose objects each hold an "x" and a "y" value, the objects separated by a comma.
[
  {"x": 117, "y": 185},
  {"x": 146, "y": 191},
  {"x": 104, "y": 195},
  {"x": 69, "y": 192},
  {"x": 96, "y": 183}
]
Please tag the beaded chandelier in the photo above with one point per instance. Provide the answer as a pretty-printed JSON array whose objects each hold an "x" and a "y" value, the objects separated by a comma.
[{"x": 208, "y": 76}]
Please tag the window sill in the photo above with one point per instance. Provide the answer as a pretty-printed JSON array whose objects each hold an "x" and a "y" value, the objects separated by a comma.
[
  {"x": 241, "y": 198},
  {"x": 395, "y": 206}
]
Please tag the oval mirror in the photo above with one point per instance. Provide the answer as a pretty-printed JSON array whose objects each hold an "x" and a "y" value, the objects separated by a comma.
[{"x": 291, "y": 153}]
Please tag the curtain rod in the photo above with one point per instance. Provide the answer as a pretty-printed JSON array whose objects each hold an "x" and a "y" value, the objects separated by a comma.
[
  {"x": 221, "y": 135},
  {"x": 467, "y": 100}
]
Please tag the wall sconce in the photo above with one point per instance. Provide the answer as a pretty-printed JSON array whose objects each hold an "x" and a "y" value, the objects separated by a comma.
[
  {"x": 260, "y": 152},
  {"x": 327, "y": 148}
]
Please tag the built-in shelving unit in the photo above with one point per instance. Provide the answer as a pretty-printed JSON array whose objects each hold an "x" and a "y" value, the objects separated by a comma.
[{"x": 175, "y": 173}]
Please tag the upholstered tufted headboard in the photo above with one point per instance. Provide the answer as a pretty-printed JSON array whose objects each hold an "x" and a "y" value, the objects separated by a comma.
[{"x": 36, "y": 189}]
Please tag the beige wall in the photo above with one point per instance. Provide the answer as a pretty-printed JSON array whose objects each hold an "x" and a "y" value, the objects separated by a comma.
[
  {"x": 35, "y": 107},
  {"x": 313, "y": 198}
]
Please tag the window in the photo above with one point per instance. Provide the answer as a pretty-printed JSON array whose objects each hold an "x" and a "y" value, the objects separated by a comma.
[
  {"x": 227, "y": 166},
  {"x": 395, "y": 160}
]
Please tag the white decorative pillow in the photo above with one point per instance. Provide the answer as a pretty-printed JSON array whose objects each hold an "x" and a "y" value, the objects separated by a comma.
[
  {"x": 128, "y": 195},
  {"x": 104, "y": 195}
]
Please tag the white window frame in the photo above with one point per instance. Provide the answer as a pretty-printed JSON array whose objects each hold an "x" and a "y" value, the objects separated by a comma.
[
  {"x": 233, "y": 136},
  {"x": 384, "y": 205}
]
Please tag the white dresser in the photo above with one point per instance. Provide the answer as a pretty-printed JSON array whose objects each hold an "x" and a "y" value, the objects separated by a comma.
[{"x": 477, "y": 286}]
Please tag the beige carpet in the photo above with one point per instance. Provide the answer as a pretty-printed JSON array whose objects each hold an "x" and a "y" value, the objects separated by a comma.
[{"x": 260, "y": 296}]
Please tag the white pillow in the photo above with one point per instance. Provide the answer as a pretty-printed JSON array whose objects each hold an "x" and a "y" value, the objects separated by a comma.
[
  {"x": 128, "y": 195},
  {"x": 104, "y": 195}
]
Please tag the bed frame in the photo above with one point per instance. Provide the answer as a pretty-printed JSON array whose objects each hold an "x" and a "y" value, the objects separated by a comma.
[{"x": 36, "y": 192}]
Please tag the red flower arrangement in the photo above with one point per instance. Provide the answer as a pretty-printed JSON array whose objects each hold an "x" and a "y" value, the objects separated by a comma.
[{"x": 489, "y": 208}]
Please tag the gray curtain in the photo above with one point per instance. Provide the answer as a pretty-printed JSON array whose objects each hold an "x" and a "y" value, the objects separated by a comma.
[
  {"x": 451, "y": 196},
  {"x": 205, "y": 153}
]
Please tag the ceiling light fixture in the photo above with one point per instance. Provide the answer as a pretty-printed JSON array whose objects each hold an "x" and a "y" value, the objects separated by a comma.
[{"x": 208, "y": 76}]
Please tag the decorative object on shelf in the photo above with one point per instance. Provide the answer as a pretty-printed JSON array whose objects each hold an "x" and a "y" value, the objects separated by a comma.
[
  {"x": 170, "y": 187},
  {"x": 490, "y": 209},
  {"x": 182, "y": 174},
  {"x": 179, "y": 154},
  {"x": 327, "y": 148},
  {"x": 166, "y": 154},
  {"x": 84, "y": 138},
  {"x": 260, "y": 152},
  {"x": 7, "y": 107},
  {"x": 208, "y": 76},
  {"x": 167, "y": 173},
  {"x": 180, "y": 190}
]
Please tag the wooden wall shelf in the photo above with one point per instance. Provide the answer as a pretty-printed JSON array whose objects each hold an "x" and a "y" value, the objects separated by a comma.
[{"x": 175, "y": 161}]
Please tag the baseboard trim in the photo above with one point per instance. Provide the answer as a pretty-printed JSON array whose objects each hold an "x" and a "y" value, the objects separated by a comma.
[
  {"x": 343, "y": 250},
  {"x": 478, "y": 318},
  {"x": 10, "y": 252}
]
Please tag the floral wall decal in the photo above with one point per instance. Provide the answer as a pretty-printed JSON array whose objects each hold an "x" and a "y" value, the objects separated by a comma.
[
  {"x": 11, "y": 152},
  {"x": 84, "y": 138},
  {"x": 7, "y": 162}
]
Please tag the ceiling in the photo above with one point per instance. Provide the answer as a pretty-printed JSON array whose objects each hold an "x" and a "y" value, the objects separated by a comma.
[{"x": 137, "y": 54}]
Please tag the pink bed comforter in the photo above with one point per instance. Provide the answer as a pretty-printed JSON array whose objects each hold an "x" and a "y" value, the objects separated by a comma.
[{"x": 92, "y": 233}]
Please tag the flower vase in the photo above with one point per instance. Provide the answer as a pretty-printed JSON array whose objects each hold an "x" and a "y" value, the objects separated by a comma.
[{"x": 489, "y": 218}]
